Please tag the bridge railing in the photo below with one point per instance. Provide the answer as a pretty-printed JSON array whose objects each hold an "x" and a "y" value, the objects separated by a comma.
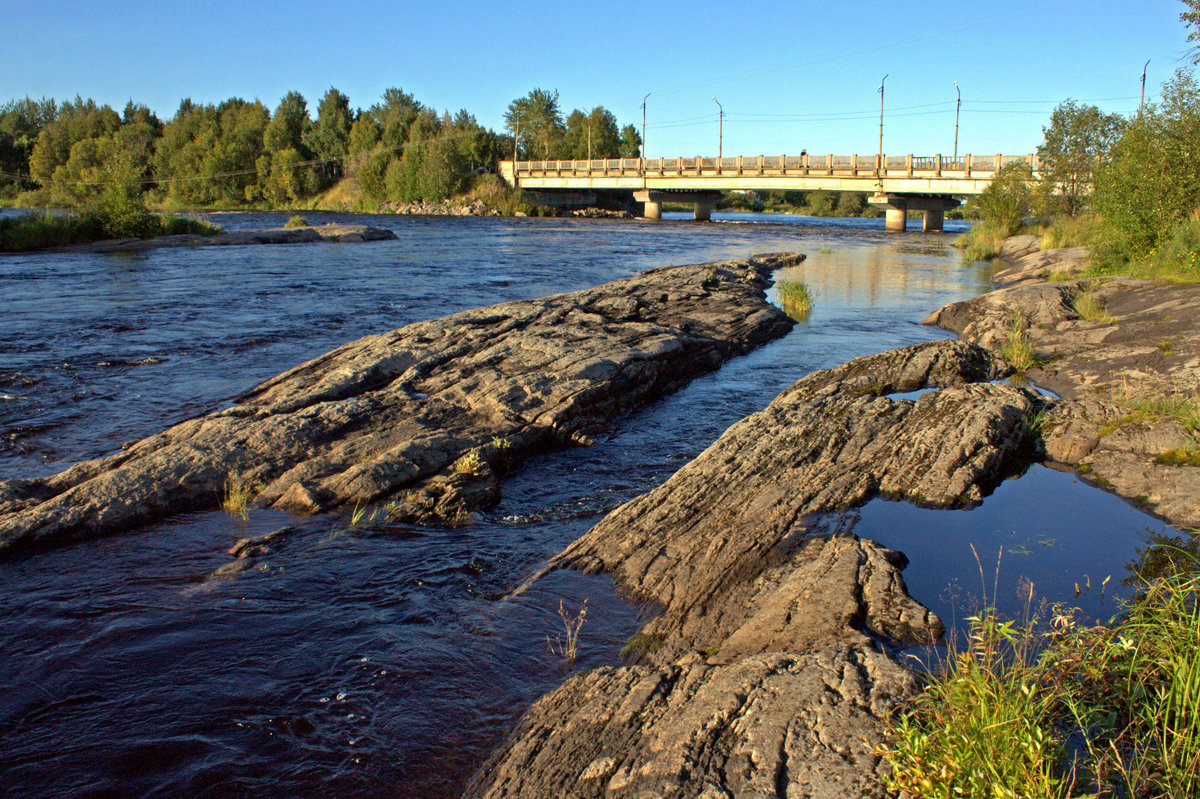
[{"x": 977, "y": 167}]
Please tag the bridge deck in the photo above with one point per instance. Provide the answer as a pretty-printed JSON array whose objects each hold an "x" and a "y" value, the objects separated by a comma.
[{"x": 904, "y": 174}]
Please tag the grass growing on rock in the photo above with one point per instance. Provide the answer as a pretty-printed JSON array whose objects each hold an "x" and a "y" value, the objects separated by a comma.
[
  {"x": 1017, "y": 348},
  {"x": 1183, "y": 407},
  {"x": 1088, "y": 306},
  {"x": 296, "y": 221},
  {"x": 40, "y": 231},
  {"x": 238, "y": 494},
  {"x": 468, "y": 463},
  {"x": 795, "y": 298},
  {"x": 1070, "y": 710}
]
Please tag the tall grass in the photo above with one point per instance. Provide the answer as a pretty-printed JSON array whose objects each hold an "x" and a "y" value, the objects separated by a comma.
[
  {"x": 795, "y": 298},
  {"x": 1066, "y": 711},
  {"x": 1017, "y": 348},
  {"x": 1070, "y": 231}
]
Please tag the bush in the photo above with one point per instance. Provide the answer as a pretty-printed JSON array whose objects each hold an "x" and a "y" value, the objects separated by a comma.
[
  {"x": 296, "y": 221},
  {"x": 1008, "y": 199}
]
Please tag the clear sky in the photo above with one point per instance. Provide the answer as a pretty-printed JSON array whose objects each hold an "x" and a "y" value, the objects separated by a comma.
[{"x": 790, "y": 75}]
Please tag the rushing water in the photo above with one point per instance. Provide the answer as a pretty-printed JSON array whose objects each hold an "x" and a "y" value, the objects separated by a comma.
[{"x": 387, "y": 661}]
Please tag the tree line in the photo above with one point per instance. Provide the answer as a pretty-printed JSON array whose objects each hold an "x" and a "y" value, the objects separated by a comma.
[{"x": 238, "y": 152}]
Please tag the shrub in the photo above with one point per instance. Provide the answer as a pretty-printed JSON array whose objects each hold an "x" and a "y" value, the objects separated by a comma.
[
  {"x": 1008, "y": 199},
  {"x": 296, "y": 221}
]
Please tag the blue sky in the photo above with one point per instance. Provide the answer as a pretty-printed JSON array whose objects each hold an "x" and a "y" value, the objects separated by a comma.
[{"x": 790, "y": 75}]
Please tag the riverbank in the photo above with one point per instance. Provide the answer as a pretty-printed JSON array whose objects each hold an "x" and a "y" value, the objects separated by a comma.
[{"x": 771, "y": 667}]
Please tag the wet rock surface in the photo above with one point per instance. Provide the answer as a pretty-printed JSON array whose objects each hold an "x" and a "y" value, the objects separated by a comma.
[
  {"x": 1143, "y": 344},
  {"x": 423, "y": 416},
  {"x": 766, "y": 671}
]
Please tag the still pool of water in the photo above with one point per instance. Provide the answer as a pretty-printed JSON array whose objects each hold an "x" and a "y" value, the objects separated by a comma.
[{"x": 388, "y": 661}]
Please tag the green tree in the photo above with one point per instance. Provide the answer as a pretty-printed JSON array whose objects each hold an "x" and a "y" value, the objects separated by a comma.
[
  {"x": 20, "y": 123},
  {"x": 76, "y": 121},
  {"x": 536, "y": 122},
  {"x": 1078, "y": 140},
  {"x": 1153, "y": 179},
  {"x": 328, "y": 139},
  {"x": 594, "y": 131},
  {"x": 1008, "y": 199},
  {"x": 631, "y": 142}
]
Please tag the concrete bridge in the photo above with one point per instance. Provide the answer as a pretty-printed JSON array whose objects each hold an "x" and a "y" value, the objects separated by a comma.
[{"x": 898, "y": 183}]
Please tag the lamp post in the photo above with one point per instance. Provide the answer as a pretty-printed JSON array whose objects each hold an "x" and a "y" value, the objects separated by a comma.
[
  {"x": 879, "y": 170},
  {"x": 957, "y": 106},
  {"x": 589, "y": 121},
  {"x": 1142, "y": 102},
  {"x": 720, "y": 131},
  {"x": 644, "y": 124}
]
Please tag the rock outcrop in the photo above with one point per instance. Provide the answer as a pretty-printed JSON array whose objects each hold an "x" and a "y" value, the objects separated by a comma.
[
  {"x": 1140, "y": 343},
  {"x": 763, "y": 672},
  {"x": 423, "y": 415}
]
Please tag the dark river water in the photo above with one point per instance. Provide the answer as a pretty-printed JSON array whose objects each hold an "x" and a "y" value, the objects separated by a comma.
[{"x": 388, "y": 661}]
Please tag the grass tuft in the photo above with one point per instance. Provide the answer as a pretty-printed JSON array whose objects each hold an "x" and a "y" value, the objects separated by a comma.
[
  {"x": 468, "y": 463},
  {"x": 1017, "y": 348},
  {"x": 1088, "y": 306},
  {"x": 795, "y": 298},
  {"x": 238, "y": 494},
  {"x": 296, "y": 221}
]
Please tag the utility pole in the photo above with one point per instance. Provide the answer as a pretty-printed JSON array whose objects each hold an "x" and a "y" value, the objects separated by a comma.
[
  {"x": 516, "y": 137},
  {"x": 1143, "y": 100},
  {"x": 957, "y": 106},
  {"x": 642, "y": 160},
  {"x": 879, "y": 171},
  {"x": 720, "y": 131}
]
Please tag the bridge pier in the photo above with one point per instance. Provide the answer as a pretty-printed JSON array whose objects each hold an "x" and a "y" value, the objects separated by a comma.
[
  {"x": 702, "y": 202},
  {"x": 897, "y": 206}
]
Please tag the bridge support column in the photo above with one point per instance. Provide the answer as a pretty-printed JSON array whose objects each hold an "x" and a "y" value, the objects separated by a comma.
[
  {"x": 897, "y": 206},
  {"x": 653, "y": 199}
]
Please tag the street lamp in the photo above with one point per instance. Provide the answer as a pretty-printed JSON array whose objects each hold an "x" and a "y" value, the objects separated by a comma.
[
  {"x": 644, "y": 124},
  {"x": 1143, "y": 100},
  {"x": 880, "y": 169},
  {"x": 720, "y": 130},
  {"x": 957, "y": 106}
]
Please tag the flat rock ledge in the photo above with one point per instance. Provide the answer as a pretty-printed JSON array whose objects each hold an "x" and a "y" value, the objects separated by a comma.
[
  {"x": 768, "y": 670},
  {"x": 331, "y": 232},
  {"x": 423, "y": 417},
  {"x": 1145, "y": 343}
]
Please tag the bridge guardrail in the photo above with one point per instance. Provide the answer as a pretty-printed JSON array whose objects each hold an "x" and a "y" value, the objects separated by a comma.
[{"x": 977, "y": 169}]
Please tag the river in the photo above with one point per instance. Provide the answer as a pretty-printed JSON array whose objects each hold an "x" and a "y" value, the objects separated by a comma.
[{"x": 387, "y": 661}]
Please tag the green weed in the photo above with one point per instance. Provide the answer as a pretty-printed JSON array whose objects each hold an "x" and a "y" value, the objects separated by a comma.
[
  {"x": 468, "y": 463},
  {"x": 1090, "y": 308},
  {"x": 795, "y": 298},
  {"x": 566, "y": 646},
  {"x": 296, "y": 221},
  {"x": 1017, "y": 348}
]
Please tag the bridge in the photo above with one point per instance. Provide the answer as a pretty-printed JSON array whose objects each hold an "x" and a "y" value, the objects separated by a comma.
[{"x": 897, "y": 183}]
